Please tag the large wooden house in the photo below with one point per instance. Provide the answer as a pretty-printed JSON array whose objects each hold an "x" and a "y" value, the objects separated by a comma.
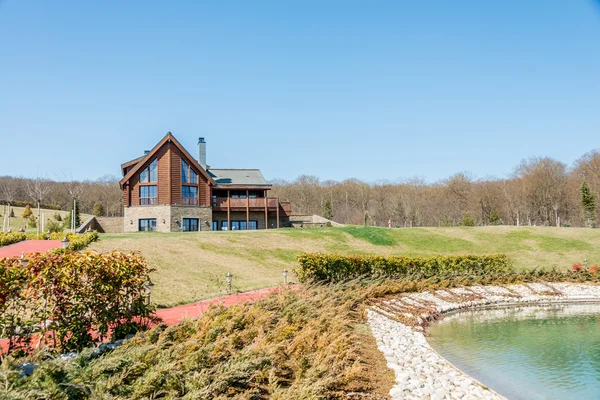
[{"x": 168, "y": 190}]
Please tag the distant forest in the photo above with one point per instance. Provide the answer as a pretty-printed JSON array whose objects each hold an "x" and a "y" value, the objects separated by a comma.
[{"x": 539, "y": 191}]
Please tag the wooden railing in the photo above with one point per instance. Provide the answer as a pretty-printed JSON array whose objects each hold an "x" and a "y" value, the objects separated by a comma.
[{"x": 259, "y": 202}]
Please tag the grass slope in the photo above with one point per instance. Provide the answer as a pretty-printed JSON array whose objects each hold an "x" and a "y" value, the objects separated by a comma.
[
  {"x": 17, "y": 222},
  {"x": 192, "y": 266}
]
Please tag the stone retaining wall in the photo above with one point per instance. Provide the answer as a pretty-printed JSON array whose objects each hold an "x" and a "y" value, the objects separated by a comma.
[{"x": 398, "y": 326}]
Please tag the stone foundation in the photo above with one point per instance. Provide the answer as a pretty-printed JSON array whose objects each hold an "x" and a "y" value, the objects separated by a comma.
[{"x": 168, "y": 218}]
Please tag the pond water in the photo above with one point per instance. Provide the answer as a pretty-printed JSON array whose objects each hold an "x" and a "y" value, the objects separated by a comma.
[{"x": 527, "y": 352}]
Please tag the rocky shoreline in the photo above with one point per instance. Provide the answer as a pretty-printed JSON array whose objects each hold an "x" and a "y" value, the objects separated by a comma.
[{"x": 398, "y": 325}]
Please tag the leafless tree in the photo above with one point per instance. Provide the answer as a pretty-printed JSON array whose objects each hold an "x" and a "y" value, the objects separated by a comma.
[{"x": 37, "y": 189}]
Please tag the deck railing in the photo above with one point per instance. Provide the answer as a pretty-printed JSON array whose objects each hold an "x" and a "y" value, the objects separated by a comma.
[{"x": 259, "y": 202}]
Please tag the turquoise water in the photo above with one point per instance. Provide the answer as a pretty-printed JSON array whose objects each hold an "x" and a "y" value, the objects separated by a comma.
[{"x": 531, "y": 352}]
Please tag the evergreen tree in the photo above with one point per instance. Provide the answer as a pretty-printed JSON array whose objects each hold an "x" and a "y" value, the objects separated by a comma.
[
  {"x": 588, "y": 205},
  {"x": 98, "y": 210},
  {"x": 328, "y": 210},
  {"x": 467, "y": 219},
  {"x": 494, "y": 218},
  {"x": 27, "y": 212},
  {"x": 67, "y": 223}
]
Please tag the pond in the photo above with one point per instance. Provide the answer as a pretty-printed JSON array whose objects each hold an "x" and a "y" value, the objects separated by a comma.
[{"x": 526, "y": 352}]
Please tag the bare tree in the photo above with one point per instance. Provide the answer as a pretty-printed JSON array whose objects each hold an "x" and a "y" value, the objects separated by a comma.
[
  {"x": 8, "y": 194},
  {"x": 38, "y": 188}
]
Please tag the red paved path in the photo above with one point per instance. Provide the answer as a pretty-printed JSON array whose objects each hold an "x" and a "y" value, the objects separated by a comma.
[
  {"x": 176, "y": 314},
  {"x": 29, "y": 246}
]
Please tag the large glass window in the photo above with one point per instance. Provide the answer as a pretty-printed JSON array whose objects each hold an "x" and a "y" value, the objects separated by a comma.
[
  {"x": 215, "y": 225},
  {"x": 224, "y": 225},
  {"x": 190, "y": 224},
  {"x": 150, "y": 174},
  {"x": 253, "y": 225},
  {"x": 189, "y": 195},
  {"x": 147, "y": 224},
  {"x": 148, "y": 195},
  {"x": 187, "y": 173}
]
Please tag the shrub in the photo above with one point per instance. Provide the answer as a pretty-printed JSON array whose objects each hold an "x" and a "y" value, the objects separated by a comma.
[
  {"x": 594, "y": 269},
  {"x": 57, "y": 217},
  {"x": 98, "y": 209},
  {"x": 27, "y": 212},
  {"x": 54, "y": 226},
  {"x": 577, "y": 267},
  {"x": 77, "y": 241},
  {"x": 12, "y": 213},
  {"x": 74, "y": 299},
  {"x": 10, "y": 238},
  {"x": 467, "y": 219},
  {"x": 494, "y": 218},
  {"x": 320, "y": 267},
  {"x": 32, "y": 222}
]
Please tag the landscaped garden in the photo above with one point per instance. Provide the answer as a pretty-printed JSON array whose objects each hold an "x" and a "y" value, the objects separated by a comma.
[{"x": 311, "y": 341}]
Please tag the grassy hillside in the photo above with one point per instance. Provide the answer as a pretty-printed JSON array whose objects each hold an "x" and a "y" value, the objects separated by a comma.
[
  {"x": 192, "y": 266},
  {"x": 17, "y": 222}
]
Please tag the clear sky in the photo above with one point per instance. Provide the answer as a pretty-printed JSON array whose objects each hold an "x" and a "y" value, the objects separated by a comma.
[{"x": 365, "y": 89}]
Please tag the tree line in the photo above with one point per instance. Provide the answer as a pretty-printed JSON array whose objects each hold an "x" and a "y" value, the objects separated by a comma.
[
  {"x": 540, "y": 191},
  {"x": 101, "y": 197}
]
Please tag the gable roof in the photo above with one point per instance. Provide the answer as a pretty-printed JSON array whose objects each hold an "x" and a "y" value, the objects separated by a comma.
[
  {"x": 238, "y": 177},
  {"x": 168, "y": 138}
]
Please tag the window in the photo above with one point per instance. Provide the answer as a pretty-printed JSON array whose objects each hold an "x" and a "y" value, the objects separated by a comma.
[
  {"x": 187, "y": 173},
  {"x": 148, "y": 195},
  {"x": 241, "y": 225},
  {"x": 190, "y": 224},
  {"x": 148, "y": 224},
  {"x": 215, "y": 225},
  {"x": 149, "y": 174},
  {"x": 189, "y": 195},
  {"x": 224, "y": 225},
  {"x": 238, "y": 225}
]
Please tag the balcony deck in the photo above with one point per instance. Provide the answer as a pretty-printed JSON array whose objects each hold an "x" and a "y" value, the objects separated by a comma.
[{"x": 255, "y": 204}]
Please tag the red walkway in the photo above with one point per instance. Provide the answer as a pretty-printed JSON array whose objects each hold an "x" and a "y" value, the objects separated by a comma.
[
  {"x": 174, "y": 315},
  {"x": 29, "y": 246}
]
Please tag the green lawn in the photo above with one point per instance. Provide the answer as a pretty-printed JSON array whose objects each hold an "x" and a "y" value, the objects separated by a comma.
[{"x": 192, "y": 266}]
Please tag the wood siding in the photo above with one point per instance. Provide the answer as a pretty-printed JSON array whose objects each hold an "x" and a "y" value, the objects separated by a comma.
[{"x": 169, "y": 179}]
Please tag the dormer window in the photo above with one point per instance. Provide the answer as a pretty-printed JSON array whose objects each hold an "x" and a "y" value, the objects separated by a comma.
[
  {"x": 187, "y": 173},
  {"x": 149, "y": 174}
]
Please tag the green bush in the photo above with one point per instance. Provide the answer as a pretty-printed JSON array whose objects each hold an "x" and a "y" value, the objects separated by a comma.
[
  {"x": 10, "y": 238},
  {"x": 27, "y": 212},
  {"x": 57, "y": 217},
  {"x": 467, "y": 219},
  {"x": 54, "y": 226},
  {"x": 70, "y": 299},
  {"x": 320, "y": 267},
  {"x": 77, "y": 241}
]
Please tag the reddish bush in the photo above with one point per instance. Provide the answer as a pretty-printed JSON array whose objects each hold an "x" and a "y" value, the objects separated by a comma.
[
  {"x": 594, "y": 269},
  {"x": 76, "y": 299},
  {"x": 577, "y": 267}
]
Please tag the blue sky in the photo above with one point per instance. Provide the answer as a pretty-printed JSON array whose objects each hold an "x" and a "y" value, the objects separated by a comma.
[{"x": 337, "y": 89}]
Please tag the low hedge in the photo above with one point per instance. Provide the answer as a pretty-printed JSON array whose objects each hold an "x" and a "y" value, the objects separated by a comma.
[
  {"x": 321, "y": 267},
  {"x": 10, "y": 238},
  {"x": 77, "y": 241}
]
